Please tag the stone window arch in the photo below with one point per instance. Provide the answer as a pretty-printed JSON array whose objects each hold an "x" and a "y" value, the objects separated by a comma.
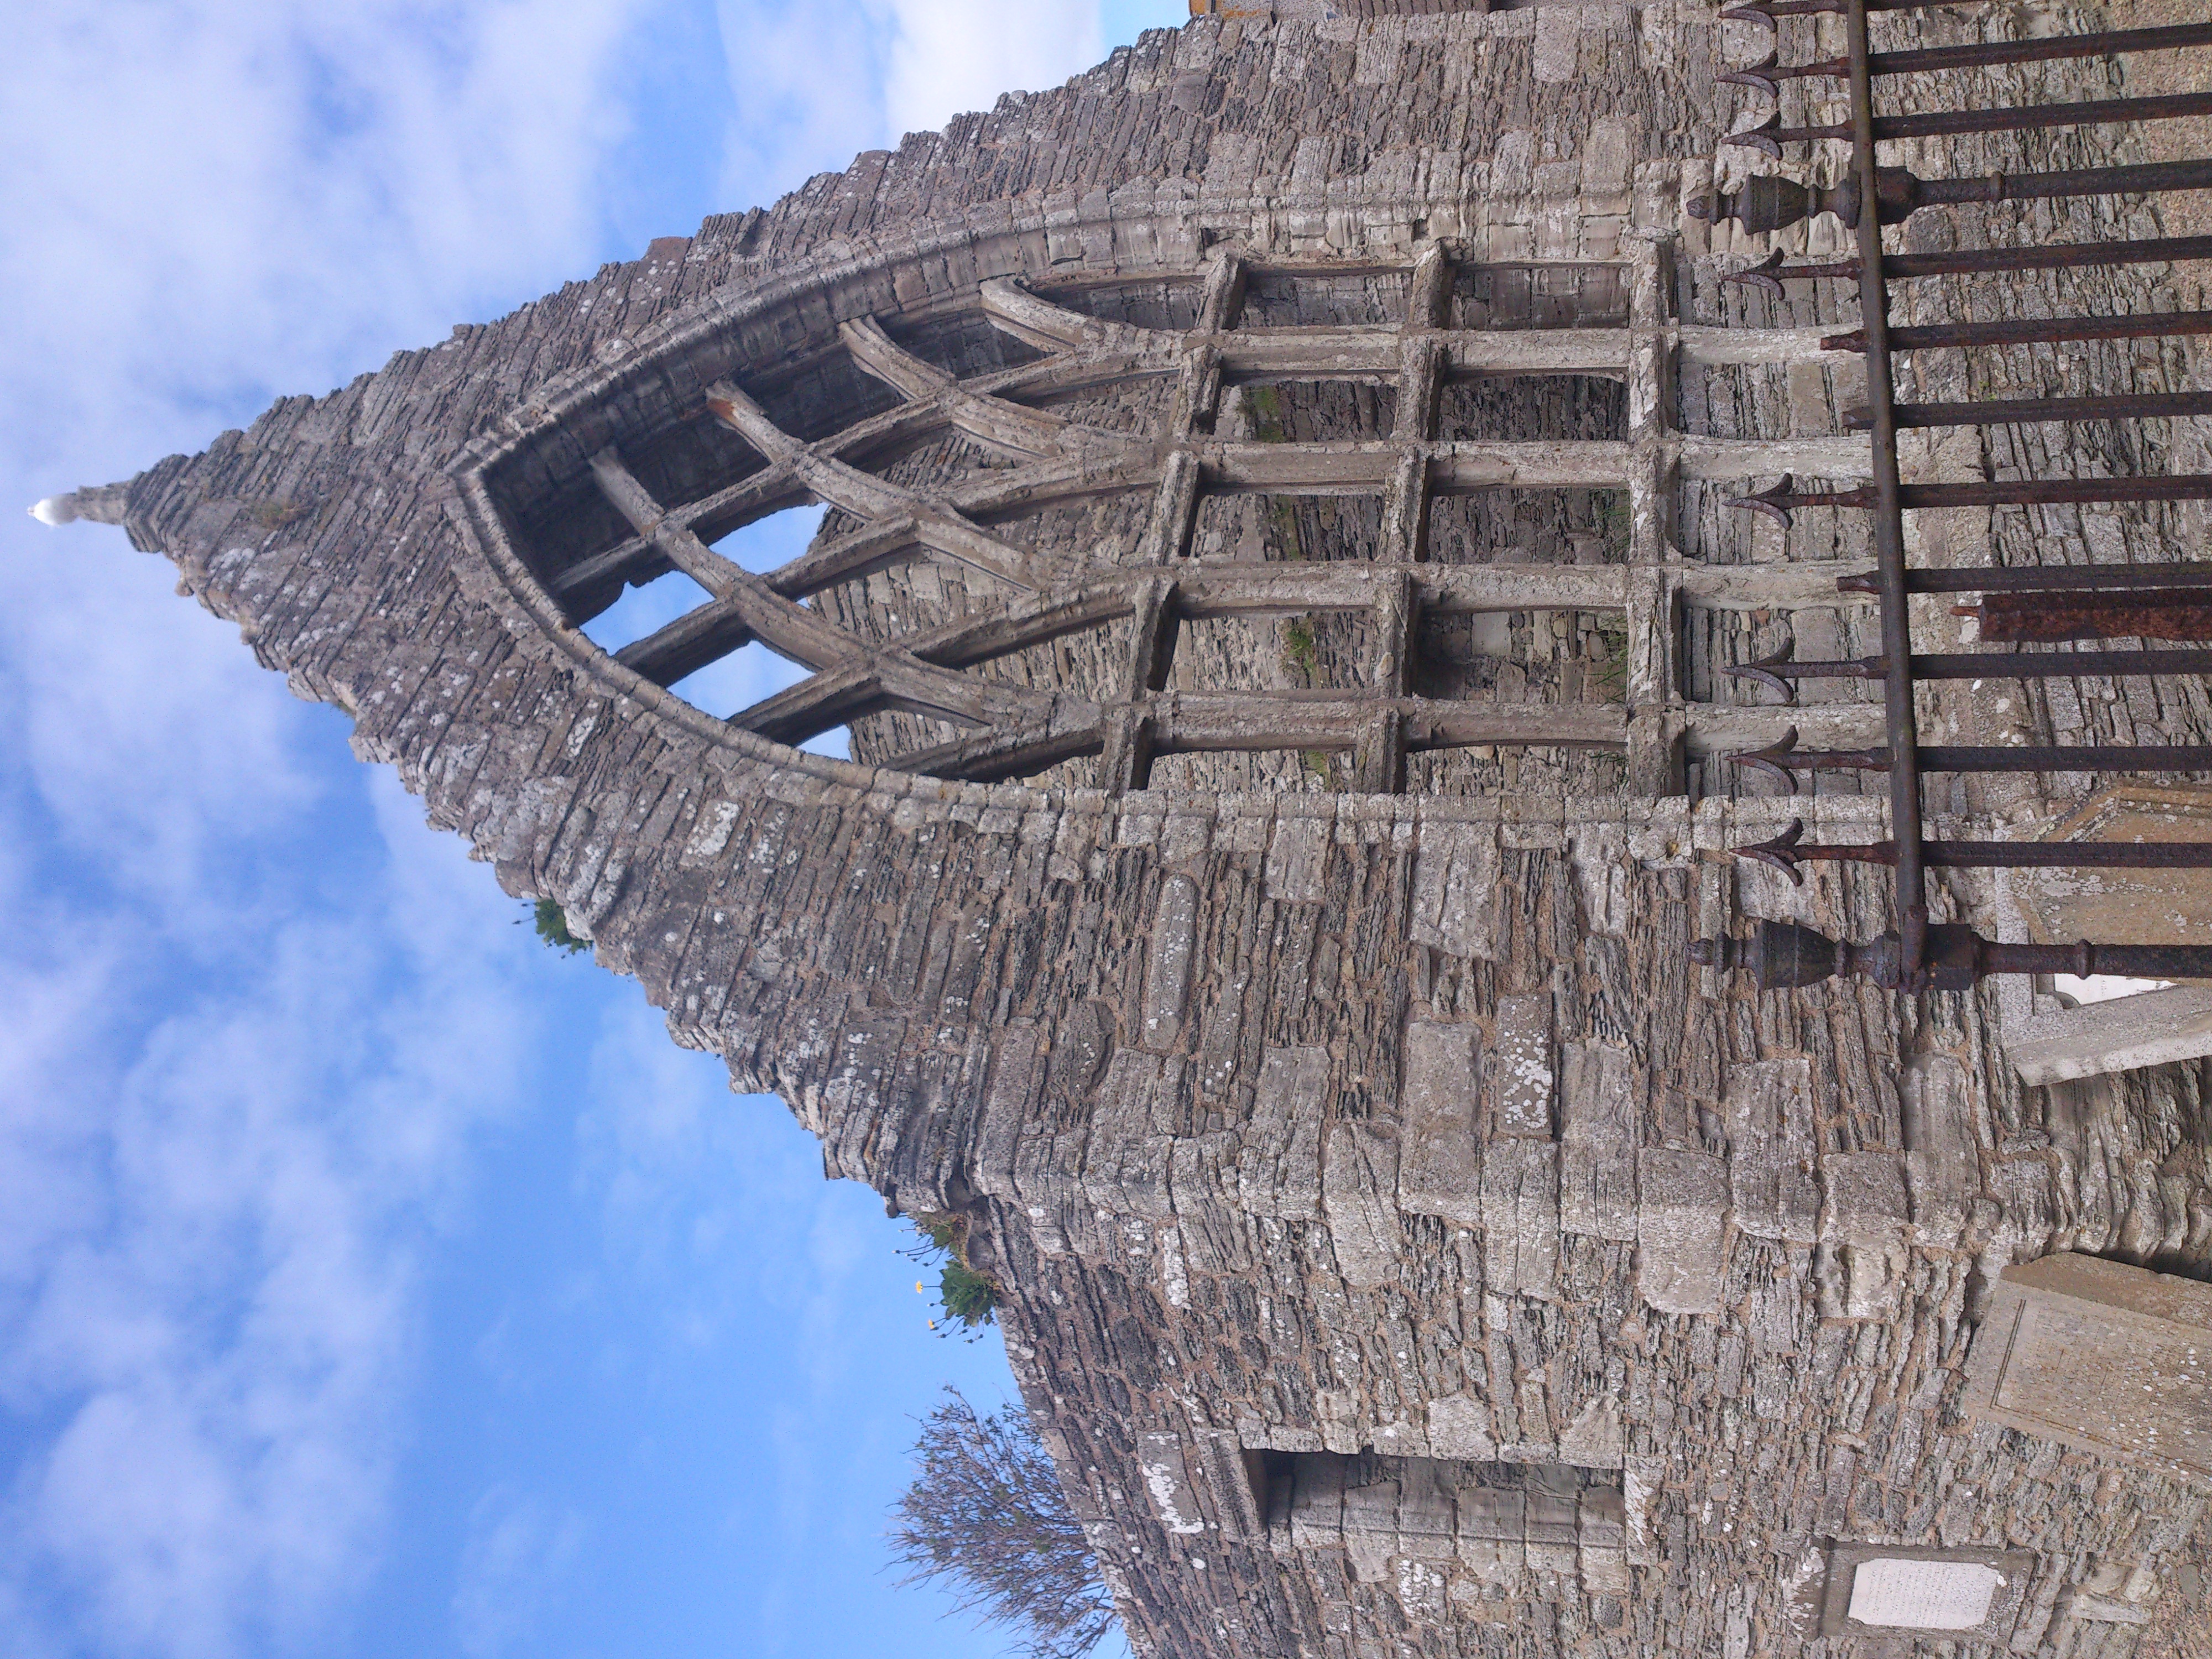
[{"x": 1133, "y": 522}]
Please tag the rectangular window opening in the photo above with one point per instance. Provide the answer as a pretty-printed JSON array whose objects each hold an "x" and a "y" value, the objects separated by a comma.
[
  {"x": 1530, "y": 295},
  {"x": 1529, "y": 526},
  {"x": 1307, "y": 412},
  {"x": 1524, "y": 656},
  {"x": 1306, "y": 651},
  {"x": 1337, "y": 299},
  {"x": 1257, "y": 527},
  {"x": 1524, "y": 408}
]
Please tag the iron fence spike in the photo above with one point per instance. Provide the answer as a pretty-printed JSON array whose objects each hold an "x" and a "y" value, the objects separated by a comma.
[
  {"x": 1773, "y": 502},
  {"x": 1760, "y": 276},
  {"x": 1773, "y": 759},
  {"x": 1780, "y": 853},
  {"x": 1760, "y": 670}
]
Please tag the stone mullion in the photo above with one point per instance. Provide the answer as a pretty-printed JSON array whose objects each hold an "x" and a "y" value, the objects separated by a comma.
[
  {"x": 1379, "y": 758},
  {"x": 1012, "y": 751},
  {"x": 863, "y": 497},
  {"x": 1406, "y": 507},
  {"x": 815, "y": 705},
  {"x": 1175, "y": 511},
  {"x": 1125, "y": 762},
  {"x": 1197, "y": 390},
  {"x": 1012, "y": 428},
  {"x": 743, "y": 607},
  {"x": 1223, "y": 295},
  {"x": 630, "y": 498},
  {"x": 849, "y": 678},
  {"x": 1655, "y": 576},
  {"x": 1379, "y": 755}
]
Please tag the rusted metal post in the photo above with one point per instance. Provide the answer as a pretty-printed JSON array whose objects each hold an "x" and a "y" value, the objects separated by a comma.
[
  {"x": 2151, "y": 613},
  {"x": 1910, "y": 901},
  {"x": 1784, "y": 956}
]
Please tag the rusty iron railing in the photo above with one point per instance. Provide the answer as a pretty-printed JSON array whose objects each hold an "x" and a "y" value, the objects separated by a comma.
[{"x": 2019, "y": 606}]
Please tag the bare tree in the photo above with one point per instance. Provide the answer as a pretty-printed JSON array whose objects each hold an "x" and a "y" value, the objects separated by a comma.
[{"x": 986, "y": 1518}]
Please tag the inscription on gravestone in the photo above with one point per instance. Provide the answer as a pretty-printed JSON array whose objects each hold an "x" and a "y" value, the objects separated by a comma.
[{"x": 1923, "y": 1594}]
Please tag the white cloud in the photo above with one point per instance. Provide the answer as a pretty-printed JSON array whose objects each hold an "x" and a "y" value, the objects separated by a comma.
[
  {"x": 808, "y": 87},
  {"x": 952, "y": 55},
  {"x": 519, "y": 1549},
  {"x": 236, "y": 193},
  {"x": 222, "y": 1327},
  {"x": 816, "y": 86},
  {"x": 117, "y": 677}
]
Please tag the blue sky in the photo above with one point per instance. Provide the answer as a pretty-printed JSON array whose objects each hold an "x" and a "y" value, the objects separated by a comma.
[{"x": 373, "y": 1280}]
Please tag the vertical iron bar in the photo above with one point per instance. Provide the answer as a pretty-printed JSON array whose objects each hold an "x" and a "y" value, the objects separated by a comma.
[{"x": 1888, "y": 518}]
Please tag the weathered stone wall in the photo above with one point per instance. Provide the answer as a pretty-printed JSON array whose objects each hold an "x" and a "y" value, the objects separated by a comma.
[{"x": 1295, "y": 1121}]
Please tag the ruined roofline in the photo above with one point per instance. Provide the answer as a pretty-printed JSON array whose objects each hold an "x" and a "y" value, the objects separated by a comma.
[{"x": 94, "y": 504}]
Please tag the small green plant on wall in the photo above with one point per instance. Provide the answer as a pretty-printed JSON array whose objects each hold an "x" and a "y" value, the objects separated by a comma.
[
  {"x": 552, "y": 925},
  {"x": 967, "y": 1299}
]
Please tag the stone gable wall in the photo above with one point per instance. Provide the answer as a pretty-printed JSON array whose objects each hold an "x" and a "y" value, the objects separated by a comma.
[{"x": 1296, "y": 1123}]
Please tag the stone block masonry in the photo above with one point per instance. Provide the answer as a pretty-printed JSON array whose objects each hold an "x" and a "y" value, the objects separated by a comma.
[{"x": 1277, "y": 587}]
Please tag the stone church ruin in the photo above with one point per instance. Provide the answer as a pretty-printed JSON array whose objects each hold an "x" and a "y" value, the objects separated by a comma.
[{"x": 1284, "y": 580}]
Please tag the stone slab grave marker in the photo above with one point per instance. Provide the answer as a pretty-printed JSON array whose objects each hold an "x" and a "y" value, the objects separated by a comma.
[
  {"x": 2125, "y": 905},
  {"x": 2100, "y": 1356},
  {"x": 1874, "y": 1589}
]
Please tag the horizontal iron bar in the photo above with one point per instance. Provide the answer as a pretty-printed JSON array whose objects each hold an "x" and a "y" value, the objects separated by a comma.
[
  {"x": 2005, "y": 411},
  {"x": 2066, "y": 757},
  {"x": 2056, "y": 579},
  {"x": 2031, "y": 330},
  {"x": 1786, "y": 956},
  {"x": 1975, "y": 54},
  {"x": 2137, "y": 177},
  {"x": 2056, "y": 664},
  {"x": 1770, "y": 135},
  {"x": 2024, "y": 492},
  {"x": 2087, "y": 961},
  {"x": 2024, "y": 854},
  {"x": 1997, "y": 665},
  {"x": 1770, "y": 202},
  {"x": 2058, "y": 256},
  {"x": 2025, "y": 758}
]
